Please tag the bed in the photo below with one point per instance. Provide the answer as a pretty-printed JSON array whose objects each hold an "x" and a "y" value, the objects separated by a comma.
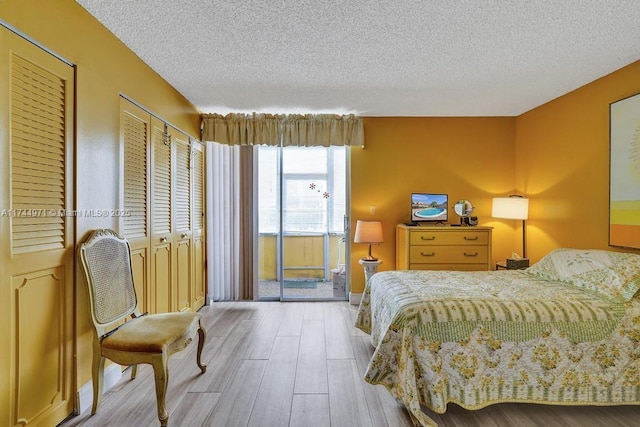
[{"x": 565, "y": 331}]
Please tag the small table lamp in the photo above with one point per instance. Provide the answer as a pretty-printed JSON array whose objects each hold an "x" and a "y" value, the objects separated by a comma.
[
  {"x": 368, "y": 232},
  {"x": 513, "y": 207}
]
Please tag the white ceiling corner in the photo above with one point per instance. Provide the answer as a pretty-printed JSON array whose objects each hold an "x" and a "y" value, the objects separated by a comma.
[{"x": 375, "y": 57}]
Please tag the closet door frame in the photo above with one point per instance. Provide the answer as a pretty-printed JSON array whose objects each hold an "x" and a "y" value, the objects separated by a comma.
[{"x": 37, "y": 289}]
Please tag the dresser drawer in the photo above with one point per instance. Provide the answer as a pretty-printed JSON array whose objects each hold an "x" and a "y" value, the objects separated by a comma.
[
  {"x": 461, "y": 254},
  {"x": 429, "y": 237},
  {"x": 449, "y": 267}
]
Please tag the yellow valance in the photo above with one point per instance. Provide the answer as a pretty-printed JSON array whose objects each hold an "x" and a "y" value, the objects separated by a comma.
[{"x": 283, "y": 130}]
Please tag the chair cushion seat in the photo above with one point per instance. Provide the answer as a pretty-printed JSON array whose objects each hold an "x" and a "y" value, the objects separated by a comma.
[{"x": 153, "y": 333}]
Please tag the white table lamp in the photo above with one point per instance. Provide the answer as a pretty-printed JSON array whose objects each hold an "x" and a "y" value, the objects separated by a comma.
[
  {"x": 368, "y": 232},
  {"x": 513, "y": 207}
]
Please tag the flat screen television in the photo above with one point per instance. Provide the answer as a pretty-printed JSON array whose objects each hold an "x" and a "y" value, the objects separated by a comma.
[{"x": 429, "y": 207}]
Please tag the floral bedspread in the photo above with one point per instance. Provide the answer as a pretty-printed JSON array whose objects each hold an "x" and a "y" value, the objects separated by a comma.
[{"x": 479, "y": 338}]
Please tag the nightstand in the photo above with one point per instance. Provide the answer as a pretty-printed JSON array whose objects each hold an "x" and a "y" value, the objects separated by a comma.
[
  {"x": 370, "y": 268},
  {"x": 513, "y": 264}
]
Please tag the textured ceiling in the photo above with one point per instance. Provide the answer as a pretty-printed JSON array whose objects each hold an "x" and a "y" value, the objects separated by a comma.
[{"x": 373, "y": 57}]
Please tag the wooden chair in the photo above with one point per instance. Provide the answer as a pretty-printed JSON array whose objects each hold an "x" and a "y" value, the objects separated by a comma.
[{"x": 152, "y": 339}]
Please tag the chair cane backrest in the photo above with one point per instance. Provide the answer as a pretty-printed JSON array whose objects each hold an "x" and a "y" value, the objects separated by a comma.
[{"x": 106, "y": 260}]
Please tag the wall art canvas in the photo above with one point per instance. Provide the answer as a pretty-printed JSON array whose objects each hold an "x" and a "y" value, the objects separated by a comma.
[{"x": 624, "y": 190}]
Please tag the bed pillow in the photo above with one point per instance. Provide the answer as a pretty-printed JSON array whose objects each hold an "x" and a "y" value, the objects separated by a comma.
[{"x": 611, "y": 274}]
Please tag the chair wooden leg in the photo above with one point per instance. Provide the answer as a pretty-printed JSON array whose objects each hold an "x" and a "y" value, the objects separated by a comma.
[
  {"x": 202, "y": 335},
  {"x": 134, "y": 371},
  {"x": 161, "y": 373},
  {"x": 97, "y": 374}
]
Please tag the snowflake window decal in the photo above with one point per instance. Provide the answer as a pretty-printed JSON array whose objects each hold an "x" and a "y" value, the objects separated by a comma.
[{"x": 313, "y": 186}]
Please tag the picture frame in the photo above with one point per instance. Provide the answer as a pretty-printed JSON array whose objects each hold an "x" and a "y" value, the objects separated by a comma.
[{"x": 624, "y": 172}]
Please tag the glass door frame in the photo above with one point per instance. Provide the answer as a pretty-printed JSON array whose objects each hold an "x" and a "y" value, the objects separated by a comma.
[{"x": 280, "y": 235}]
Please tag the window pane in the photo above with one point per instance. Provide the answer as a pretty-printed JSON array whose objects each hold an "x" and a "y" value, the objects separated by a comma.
[
  {"x": 338, "y": 193},
  {"x": 304, "y": 160},
  {"x": 268, "y": 189},
  {"x": 305, "y": 207}
]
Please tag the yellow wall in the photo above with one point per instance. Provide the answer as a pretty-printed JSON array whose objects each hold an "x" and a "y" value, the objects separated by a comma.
[
  {"x": 562, "y": 164},
  {"x": 104, "y": 69},
  {"x": 467, "y": 158},
  {"x": 298, "y": 251}
]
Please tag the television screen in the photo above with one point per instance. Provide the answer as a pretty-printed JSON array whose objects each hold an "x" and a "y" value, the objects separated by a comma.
[{"x": 429, "y": 207}]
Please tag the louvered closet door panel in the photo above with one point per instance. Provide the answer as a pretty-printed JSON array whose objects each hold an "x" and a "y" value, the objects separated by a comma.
[
  {"x": 135, "y": 136},
  {"x": 161, "y": 196},
  {"x": 182, "y": 235},
  {"x": 197, "y": 170},
  {"x": 183, "y": 184},
  {"x": 135, "y": 129},
  {"x": 36, "y": 238},
  {"x": 38, "y": 157},
  {"x": 162, "y": 256}
]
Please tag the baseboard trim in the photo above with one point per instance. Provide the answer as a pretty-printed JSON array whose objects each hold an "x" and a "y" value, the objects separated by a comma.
[
  {"x": 112, "y": 374},
  {"x": 354, "y": 298}
]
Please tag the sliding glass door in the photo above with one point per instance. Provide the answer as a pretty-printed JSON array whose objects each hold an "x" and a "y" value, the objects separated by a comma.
[{"x": 302, "y": 203}]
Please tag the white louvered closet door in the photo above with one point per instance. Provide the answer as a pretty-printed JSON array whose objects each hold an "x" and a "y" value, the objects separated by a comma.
[
  {"x": 162, "y": 247},
  {"x": 36, "y": 237},
  {"x": 198, "y": 238},
  {"x": 182, "y": 234},
  {"x": 135, "y": 124}
]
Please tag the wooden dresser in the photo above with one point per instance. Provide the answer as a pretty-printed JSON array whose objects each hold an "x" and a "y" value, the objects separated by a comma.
[{"x": 443, "y": 248}]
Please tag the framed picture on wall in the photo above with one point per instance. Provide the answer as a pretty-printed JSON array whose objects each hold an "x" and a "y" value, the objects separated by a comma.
[{"x": 624, "y": 172}]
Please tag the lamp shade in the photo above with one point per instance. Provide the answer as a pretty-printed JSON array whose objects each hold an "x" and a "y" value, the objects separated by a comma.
[
  {"x": 368, "y": 232},
  {"x": 514, "y": 207}
]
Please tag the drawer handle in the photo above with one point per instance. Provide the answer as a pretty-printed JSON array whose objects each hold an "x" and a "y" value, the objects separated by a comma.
[
  {"x": 473, "y": 254},
  {"x": 163, "y": 239},
  {"x": 428, "y": 238},
  {"x": 431, "y": 254},
  {"x": 470, "y": 238},
  {"x": 183, "y": 235}
]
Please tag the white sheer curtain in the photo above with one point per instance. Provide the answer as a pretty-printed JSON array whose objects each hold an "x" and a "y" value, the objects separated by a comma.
[{"x": 229, "y": 215}]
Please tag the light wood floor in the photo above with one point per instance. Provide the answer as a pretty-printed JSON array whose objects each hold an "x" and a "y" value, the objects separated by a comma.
[{"x": 298, "y": 364}]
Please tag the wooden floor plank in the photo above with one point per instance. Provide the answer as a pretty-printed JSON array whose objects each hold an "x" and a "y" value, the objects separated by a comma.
[
  {"x": 222, "y": 364},
  {"x": 313, "y": 310},
  {"x": 348, "y": 406},
  {"x": 291, "y": 325},
  {"x": 193, "y": 409},
  {"x": 311, "y": 373},
  {"x": 264, "y": 333},
  {"x": 234, "y": 405},
  {"x": 273, "y": 403},
  {"x": 310, "y": 410},
  {"x": 337, "y": 334}
]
